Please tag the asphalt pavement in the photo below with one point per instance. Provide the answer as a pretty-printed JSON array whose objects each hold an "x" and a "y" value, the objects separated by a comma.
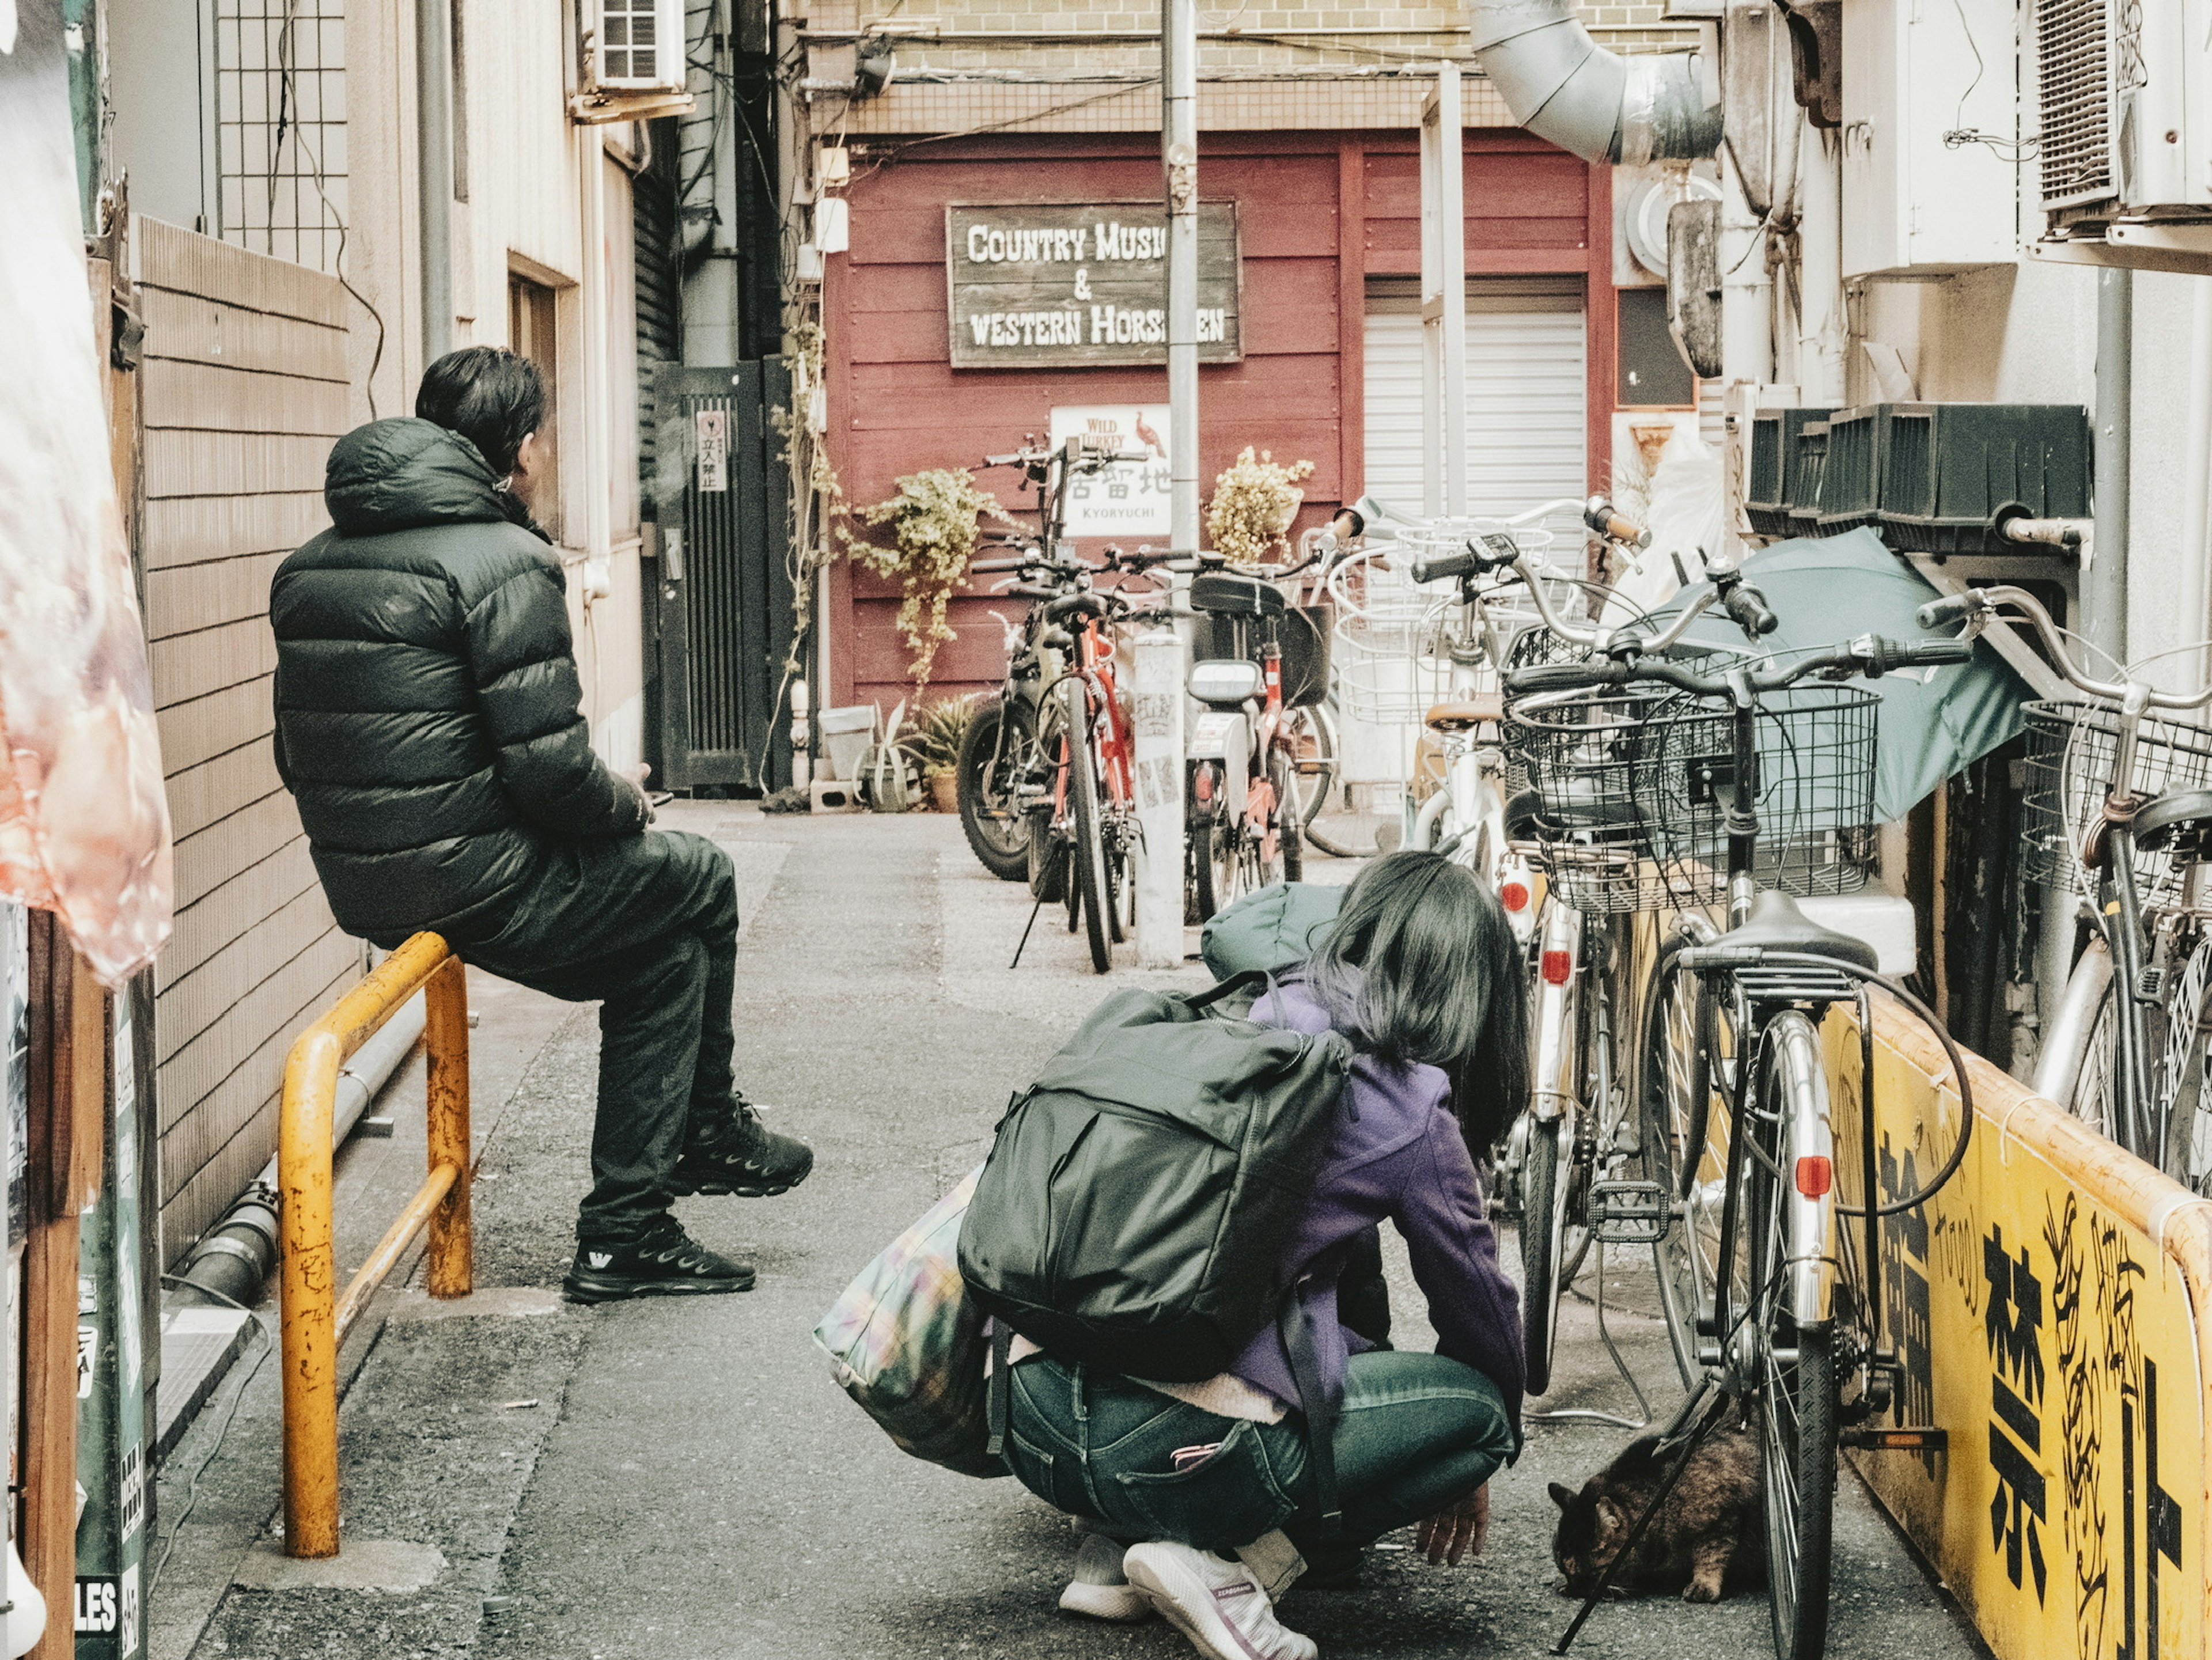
[{"x": 681, "y": 1479}]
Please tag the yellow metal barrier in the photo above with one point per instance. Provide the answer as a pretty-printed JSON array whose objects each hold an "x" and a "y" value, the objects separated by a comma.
[
  {"x": 2052, "y": 1310},
  {"x": 316, "y": 1319}
]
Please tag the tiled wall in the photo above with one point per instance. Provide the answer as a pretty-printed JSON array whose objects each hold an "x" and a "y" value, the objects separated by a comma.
[{"x": 245, "y": 390}]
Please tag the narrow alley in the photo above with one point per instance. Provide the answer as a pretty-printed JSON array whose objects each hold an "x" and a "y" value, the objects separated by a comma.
[{"x": 680, "y": 1479}]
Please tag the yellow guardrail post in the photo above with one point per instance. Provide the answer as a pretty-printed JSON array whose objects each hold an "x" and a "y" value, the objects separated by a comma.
[{"x": 316, "y": 1319}]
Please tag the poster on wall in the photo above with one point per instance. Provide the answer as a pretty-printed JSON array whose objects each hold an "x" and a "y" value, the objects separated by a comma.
[
  {"x": 1067, "y": 284},
  {"x": 1129, "y": 498}
]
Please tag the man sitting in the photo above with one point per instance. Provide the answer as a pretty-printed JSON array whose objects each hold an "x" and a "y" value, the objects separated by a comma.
[{"x": 430, "y": 725}]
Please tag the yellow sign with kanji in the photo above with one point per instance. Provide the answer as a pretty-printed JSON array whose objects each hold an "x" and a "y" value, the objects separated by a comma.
[{"x": 2048, "y": 1311}]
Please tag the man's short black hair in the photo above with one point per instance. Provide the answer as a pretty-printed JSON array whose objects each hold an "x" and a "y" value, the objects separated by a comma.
[{"x": 489, "y": 395}]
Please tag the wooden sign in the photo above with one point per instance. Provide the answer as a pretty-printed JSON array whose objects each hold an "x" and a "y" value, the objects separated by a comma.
[{"x": 1071, "y": 284}]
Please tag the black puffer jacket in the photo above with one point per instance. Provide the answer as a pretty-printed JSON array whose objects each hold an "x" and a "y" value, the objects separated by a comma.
[{"x": 428, "y": 714}]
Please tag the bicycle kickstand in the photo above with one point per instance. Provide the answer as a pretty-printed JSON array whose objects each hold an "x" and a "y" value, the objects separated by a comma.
[{"x": 1026, "y": 926}]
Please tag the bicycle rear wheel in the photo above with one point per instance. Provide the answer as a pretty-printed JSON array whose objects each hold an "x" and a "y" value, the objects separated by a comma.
[
  {"x": 1316, "y": 770},
  {"x": 1290, "y": 820},
  {"x": 1683, "y": 1087},
  {"x": 1093, "y": 884}
]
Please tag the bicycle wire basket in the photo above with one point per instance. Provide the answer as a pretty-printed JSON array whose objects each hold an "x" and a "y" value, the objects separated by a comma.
[
  {"x": 2072, "y": 750},
  {"x": 1635, "y": 786},
  {"x": 1395, "y": 638}
]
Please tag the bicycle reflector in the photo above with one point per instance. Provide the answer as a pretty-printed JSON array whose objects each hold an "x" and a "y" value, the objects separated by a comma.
[
  {"x": 1513, "y": 894},
  {"x": 1558, "y": 967},
  {"x": 1816, "y": 1174}
]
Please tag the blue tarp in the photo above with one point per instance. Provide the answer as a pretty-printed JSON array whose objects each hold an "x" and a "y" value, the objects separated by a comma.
[{"x": 1827, "y": 590}]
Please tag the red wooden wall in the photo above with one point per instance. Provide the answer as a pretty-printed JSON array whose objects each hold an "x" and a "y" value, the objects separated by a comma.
[{"x": 896, "y": 405}]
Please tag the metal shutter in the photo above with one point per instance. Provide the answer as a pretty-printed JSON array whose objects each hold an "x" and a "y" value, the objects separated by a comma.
[{"x": 1527, "y": 403}]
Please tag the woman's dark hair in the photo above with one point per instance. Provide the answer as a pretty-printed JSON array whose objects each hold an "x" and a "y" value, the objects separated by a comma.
[
  {"x": 489, "y": 396},
  {"x": 1421, "y": 966}
]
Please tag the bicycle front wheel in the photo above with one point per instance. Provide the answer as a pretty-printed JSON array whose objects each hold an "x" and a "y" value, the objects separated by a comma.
[
  {"x": 1797, "y": 1463},
  {"x": 1543, "y": 1194},
  {"x": 1795, "y": 1367},
  {"x": 1093, "y": 884}
]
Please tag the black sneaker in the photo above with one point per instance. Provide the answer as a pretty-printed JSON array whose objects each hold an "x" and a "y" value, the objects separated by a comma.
[
  {"x": 663, "y": 1261},
  {"x": 743, "y": 1157}
]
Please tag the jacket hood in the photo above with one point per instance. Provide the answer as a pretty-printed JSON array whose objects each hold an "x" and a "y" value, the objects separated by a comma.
[{"x": 403, "y": 473}]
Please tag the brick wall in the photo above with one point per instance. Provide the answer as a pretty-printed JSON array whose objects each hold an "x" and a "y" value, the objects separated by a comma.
[
  {"x": 245, "y": 390},
  {"x": 1044, "y": 69}
]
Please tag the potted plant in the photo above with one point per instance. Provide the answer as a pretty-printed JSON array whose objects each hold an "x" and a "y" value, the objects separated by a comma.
[
  {"x": 1253, "y": 505},
  {"x": 934, "y": 533},
  {"x": 935, "y": 741}
]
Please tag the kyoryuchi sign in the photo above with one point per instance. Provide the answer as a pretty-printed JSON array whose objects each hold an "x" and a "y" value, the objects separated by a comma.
[{"x": 1067, "y": 284}]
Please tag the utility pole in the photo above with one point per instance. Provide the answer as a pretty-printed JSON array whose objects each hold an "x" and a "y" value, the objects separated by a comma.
[
  {"x": 1159, "y": 656},
  {"x": 1179, "y": 158}
]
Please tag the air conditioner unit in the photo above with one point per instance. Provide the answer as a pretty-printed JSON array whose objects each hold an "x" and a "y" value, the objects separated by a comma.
[
  {"x": 2124, "y": 164},
  {"x": 635, "y": 45}
]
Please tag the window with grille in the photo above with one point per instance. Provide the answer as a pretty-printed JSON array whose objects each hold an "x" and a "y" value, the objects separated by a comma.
[
  {"x": 280, "y": 127},
  {"x": 630, "y": 46}
]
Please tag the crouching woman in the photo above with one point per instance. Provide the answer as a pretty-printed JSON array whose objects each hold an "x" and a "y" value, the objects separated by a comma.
[{"x": 1422, "y": 974}]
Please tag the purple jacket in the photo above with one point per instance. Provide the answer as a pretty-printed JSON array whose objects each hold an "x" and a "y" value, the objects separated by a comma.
[{"x": 1396, "y": 1152}]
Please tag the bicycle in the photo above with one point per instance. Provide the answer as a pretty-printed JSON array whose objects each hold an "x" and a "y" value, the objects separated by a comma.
[
  {"x": 1664, "y": 783},
  {"x": 1078, "y": 787},
  {"x": 1566, "y": 1151},
  {"x": 2117, "y": 814},
  {"x": 1256, "y": 760},
  {"x": 1004, "y": 755}
]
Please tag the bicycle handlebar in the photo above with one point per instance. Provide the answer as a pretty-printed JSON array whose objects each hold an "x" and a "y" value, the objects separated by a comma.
[
  {"x": 1978, "y": 607},
  {"x": 1870, "y": 655},
  {"x": 1747, "y": 608}
]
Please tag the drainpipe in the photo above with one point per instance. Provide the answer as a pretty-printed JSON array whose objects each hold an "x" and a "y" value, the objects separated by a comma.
[
  {"x": 1563, "y": 87},
  {"x": 1820, "y": 326},
  {"x": 433, "y": 158},
  {"x": 2197, "y": 482},
  {"x": 2105, "y": 582},
  {"x": 598, "y": 400},
  {"x": 235, "y": 1258}
]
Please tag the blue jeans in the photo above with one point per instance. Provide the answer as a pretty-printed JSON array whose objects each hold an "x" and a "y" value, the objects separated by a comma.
[{"x": 1416, "y": 1432}]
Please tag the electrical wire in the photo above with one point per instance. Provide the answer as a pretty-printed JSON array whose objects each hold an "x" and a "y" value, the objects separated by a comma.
[{"x": 221, "y": 1434}]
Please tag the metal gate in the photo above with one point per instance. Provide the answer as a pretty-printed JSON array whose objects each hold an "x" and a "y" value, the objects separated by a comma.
[{"x": 721, "y": 624}]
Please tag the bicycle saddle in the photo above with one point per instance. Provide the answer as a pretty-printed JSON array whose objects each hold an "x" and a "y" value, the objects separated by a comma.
[
  {"x": 1226, "y": 593},
  {"x": 1776, "y": 924},
  {"x": 1465, "y": 715},
  {"x": 1529, "y": 818},
  {"x": 2167, "y": 821}
]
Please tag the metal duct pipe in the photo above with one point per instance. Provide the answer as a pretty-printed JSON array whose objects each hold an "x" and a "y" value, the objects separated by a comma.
[
  {"x": 1563, "y": 87},
  {"x": 235, "y": 1258}
]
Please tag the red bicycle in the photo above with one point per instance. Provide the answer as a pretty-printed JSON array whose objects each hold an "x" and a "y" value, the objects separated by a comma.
[{"x": 1093, "y": 823}]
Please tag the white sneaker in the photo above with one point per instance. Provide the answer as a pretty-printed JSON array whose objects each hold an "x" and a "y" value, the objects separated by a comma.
[
  {"x": 1218, "y": 1605},
  {"x": 1098, "y": 1588}
]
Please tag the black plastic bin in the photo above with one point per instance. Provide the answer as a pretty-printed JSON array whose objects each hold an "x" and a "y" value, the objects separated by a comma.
[
  {"x": 1951, "y": 471},
  {"x": 1770, "y": 488},
  {"x": 1851, "y": 469},
  {"x": 1809, "y": 468}
]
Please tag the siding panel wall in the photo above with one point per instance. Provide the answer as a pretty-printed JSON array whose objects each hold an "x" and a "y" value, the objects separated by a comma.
[{"x": 245, "y": 390}]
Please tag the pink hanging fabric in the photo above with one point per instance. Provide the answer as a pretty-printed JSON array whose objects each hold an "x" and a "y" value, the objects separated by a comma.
[{"x": 84, "y": 820}]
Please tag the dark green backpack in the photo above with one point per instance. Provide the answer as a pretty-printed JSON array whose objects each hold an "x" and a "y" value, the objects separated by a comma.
[
  {"x": 1270, "y": 928},
  {"x": 1137, "y": 1194}
]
